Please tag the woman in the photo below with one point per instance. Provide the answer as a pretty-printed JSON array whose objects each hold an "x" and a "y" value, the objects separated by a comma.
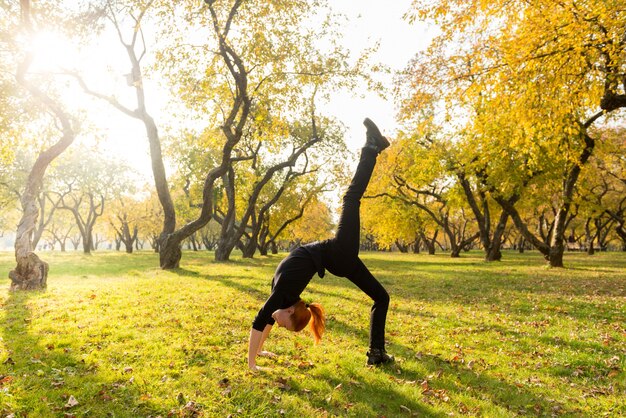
[{"x": 340, "y": 256}]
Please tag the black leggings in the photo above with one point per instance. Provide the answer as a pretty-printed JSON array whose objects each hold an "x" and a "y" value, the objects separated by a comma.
[{"x": 344, "y": 260}]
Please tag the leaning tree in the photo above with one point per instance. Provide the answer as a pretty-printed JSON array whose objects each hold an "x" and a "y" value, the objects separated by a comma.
[{"x": 31, "y": 272}]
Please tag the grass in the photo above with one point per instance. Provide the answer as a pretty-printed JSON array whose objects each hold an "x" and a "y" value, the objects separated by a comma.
[{"x": 113, "y": 336}]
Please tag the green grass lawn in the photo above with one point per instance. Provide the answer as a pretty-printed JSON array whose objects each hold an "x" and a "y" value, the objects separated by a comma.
[{"x": 115, "y": 336}]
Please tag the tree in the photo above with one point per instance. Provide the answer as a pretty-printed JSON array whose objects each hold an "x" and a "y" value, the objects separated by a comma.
[
  {"x": 233, "y": 68},
  {"x": 260, "y": 77},
  {"x": 124, "y": 217},
  {"x": 302, "y": 223},
  {"x": 534, "y": 78},
  {"x": 297, "y": 181},
  {"x": 85, "y": 181},
  {"x": 416, "y": 176},
  {"x": 150, "y": 225},
  {"x": 13, "y": 179},
  {"x": 31, "y": 272},
  {"x": 391, "y": 221},
  {"x": 135, "y": 48},
  {"x": 60, "y": 230},
  {"x": 604, "y": 188}
]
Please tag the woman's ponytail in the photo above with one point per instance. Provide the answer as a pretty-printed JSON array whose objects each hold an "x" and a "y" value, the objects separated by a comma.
[
  {"x": 318, "y": 321},
  {"x": 312, "y": 314}
]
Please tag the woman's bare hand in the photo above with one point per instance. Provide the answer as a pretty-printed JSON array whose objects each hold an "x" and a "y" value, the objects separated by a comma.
[{"x": 255, "y": 368}]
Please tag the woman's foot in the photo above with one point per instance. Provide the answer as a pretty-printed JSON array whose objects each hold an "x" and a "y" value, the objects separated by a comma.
[
  {"x": 378, "y": 356},
  {"x": 373, "y": 138}
]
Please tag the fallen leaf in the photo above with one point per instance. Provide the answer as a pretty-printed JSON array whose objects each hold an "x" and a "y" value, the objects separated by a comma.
[
  {"x": 5, "y": 379},
  {"x": 192, "y": 407},
  {"x": 71, "y": 402},
  {"x": 305, "y": 365},
  {"x": 282, "y": 384}
]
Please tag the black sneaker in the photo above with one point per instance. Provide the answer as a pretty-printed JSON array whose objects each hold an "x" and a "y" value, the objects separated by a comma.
[
  {"x": 378, "y": 356},
  {"x": 373, "y": 138}
]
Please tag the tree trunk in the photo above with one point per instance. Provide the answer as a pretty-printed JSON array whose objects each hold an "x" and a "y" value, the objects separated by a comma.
[
  {"x": 275, "y": 248},
  {"x": 249, "y": 248},
  {"x": 590, "y": 249},
  {"x": 416, "y": 245},
  {"x": 87, "y": 244},
  {"x": 403, "y": 248},
  {"x": 170, "y": 252},
  {"x": 494, "y": 252},
  {"x": 31, "y": 272},
  {"x": 225, "y": 247},
  {"x": 556, "y": 255},
  {"x": 430, "y": 243}
]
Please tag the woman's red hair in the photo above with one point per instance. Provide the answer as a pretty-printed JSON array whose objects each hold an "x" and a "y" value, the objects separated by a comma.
[{"x": 312, "y": 314}]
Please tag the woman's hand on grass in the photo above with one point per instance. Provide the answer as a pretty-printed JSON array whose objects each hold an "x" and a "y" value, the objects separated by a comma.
[{"x": 254, "y": 368}]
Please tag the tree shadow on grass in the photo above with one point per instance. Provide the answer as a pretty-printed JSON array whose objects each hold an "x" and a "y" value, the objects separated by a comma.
[
  {"x": 444, "y": 380},
  {"x": 495, "y": 287},
  {"x": 383, "y": 400},
  {"x": 42, "y": 372}
]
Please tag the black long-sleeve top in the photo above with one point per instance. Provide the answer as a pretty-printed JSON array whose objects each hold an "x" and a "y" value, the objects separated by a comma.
[{"x": 292, "y": 276}]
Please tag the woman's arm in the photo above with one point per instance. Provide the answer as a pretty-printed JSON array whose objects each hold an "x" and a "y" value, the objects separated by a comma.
[
  {"x": 253, "y": 347},
  {"x": 266, "y": 332},
  {"x": 257, "y": 338}
]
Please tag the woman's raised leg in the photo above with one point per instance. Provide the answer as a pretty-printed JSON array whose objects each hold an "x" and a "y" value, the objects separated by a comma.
[{"x": 348, "y": 230}]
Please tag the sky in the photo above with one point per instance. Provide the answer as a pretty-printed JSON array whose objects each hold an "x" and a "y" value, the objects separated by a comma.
[{"x": 370, "y": 22}]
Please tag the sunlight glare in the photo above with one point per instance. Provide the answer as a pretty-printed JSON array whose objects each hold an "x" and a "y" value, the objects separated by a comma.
[{"x": 52, "y": 52}]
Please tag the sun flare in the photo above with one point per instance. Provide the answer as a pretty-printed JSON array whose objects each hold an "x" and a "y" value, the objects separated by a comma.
[{"x": 53, "y": 52}]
